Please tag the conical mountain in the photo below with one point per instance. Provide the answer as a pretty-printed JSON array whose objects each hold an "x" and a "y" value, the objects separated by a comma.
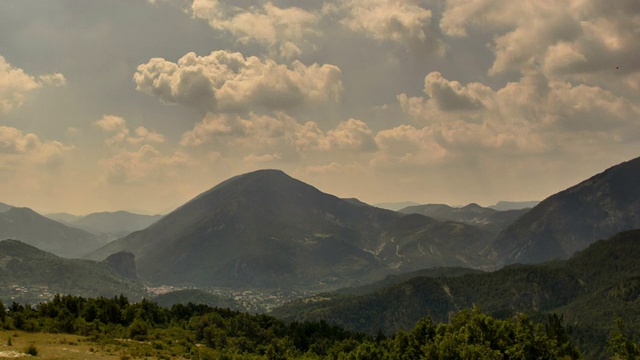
[
  {"x": 266, "y": 229},
  {"x": 571, "y": 220},
  {"x": 34, "y": 229}
]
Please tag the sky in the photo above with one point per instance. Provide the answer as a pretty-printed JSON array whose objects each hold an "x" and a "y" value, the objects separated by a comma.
[{"x": 140, "y": 105}]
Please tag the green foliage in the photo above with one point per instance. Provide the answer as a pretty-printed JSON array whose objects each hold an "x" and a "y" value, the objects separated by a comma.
[
  {"x": 204, "y": 332},
  {"x": 621, "y": 343},
  {"x": 31, "y": 350}
]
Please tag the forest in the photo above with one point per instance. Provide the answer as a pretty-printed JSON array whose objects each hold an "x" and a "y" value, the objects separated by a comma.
[{"x": 189, "y": 331}]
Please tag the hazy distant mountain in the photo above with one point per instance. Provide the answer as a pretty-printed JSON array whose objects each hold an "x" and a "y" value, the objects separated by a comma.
[
  {"x": 266, "y": 229},
  {"x": 513, "y": 205},
  {"x": 64, "y": 218},
  {"x": 119, "y": 223},
  {"x": 34, "y": 229},
  {"x": 28, "y": 274},
  {"x": 5, "y": 207},
  {"x": 590, "y": 290},
  {"x": 574, "y": 218},
  {"x": 395, "y": 206},
  {"x": 472, "y": 214}
]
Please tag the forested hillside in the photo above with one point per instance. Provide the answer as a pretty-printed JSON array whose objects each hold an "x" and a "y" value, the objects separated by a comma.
[{"x": 191, "y": 331}]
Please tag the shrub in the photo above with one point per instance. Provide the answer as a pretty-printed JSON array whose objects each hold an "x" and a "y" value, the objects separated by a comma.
[{"x": 31, "y": 350}]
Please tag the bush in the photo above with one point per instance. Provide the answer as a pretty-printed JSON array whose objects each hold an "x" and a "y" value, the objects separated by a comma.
[{"x": 31, "y": 350}]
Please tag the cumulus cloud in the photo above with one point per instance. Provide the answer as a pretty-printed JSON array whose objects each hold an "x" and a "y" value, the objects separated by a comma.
[
  {"x": 407, "y": 22},
  {"x": 280, "y": 137},
  {"x": 228, "y": 82},
  {"x": 134, "y": 156},
  {"x": 123, "y": 136},
  {"x": 283, "y": 30},
  {"x": 535, "y": 116},
  {"x": 18, "y": 149},
  {"x": 15, "y": 84},
  {"x": 571, "y": 38},
  {"x": 145, "y": 164}
]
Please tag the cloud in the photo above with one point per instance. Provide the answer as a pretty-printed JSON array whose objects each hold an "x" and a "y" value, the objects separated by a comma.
[
  {"x": 15, "y": 84},
  {"x": 111, "y": 123},
  {"x": 133, "y": 157},
  {"x": 573, "y": 38},
  {"x": 117, "y": 125},
  {"x": 406, "y": 22},
  {"x": 19, "y": 149},
  {"x": 535, "y": 115},
  {"x": 283, "y": 30},
  {"x": 451, "y": 95},
  {"x": 228, "y": 82},
  {"x": 144, "y": 165},
  {"x": 280, "y": 134}
]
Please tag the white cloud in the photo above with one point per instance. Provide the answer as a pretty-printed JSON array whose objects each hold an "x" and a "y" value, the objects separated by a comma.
[
  {"x": 283, "y": 30},
  {"x": 228, "y": 82},
  {"x": 19, "y": 149},
  {"x": 116, "y": 124},
  {"x": 575, "y": 38},
  {"x": 406, "y": 22},
  {"x": 535, "y": 115},
  {"x": 15, "y": 84},
  {"x": 144, "y": 165},
  {"x": 282, "y": 135}
]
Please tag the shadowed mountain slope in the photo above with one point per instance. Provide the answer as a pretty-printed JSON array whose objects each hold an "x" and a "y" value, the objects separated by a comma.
[{"x": 571, "y": 220}]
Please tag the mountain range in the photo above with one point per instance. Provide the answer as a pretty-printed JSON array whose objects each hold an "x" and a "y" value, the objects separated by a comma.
[
  {"x": 34, "y": 229},
  {"x": 115, "y": 224},
  {"x": 118, "y": 223},
  {"x": 487, "y": 219},
  {"x": 589, "y": 290},
  {"x": 266, "y": 229}
]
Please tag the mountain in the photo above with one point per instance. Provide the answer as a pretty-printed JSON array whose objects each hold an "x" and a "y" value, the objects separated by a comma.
[
  {"x": 571, "y": 220},
  {"x": 119, "y": 223},
  {"x": 28, "y": 274},
  {"x": 590, "y": 290},
  {"x": 513, "y": 205},
  {"x": 473, "y": 214},
  {"x": 395, "y": 206},
  {"x": 63, "y": 217},
  {"x": 267, "y": 230},
  {"x": 34, "y": 229},
  {"x": 124, "y": 263},
  {"x": 5, "y": 207}
]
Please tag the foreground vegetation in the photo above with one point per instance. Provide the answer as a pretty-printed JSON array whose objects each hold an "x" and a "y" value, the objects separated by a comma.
[{"x": 115, "y": 328}]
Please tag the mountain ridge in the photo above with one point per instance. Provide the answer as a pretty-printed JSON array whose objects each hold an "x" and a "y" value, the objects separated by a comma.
[
  {"x": 569, "y": 221},
  {"x": 32, "y": 228}
]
